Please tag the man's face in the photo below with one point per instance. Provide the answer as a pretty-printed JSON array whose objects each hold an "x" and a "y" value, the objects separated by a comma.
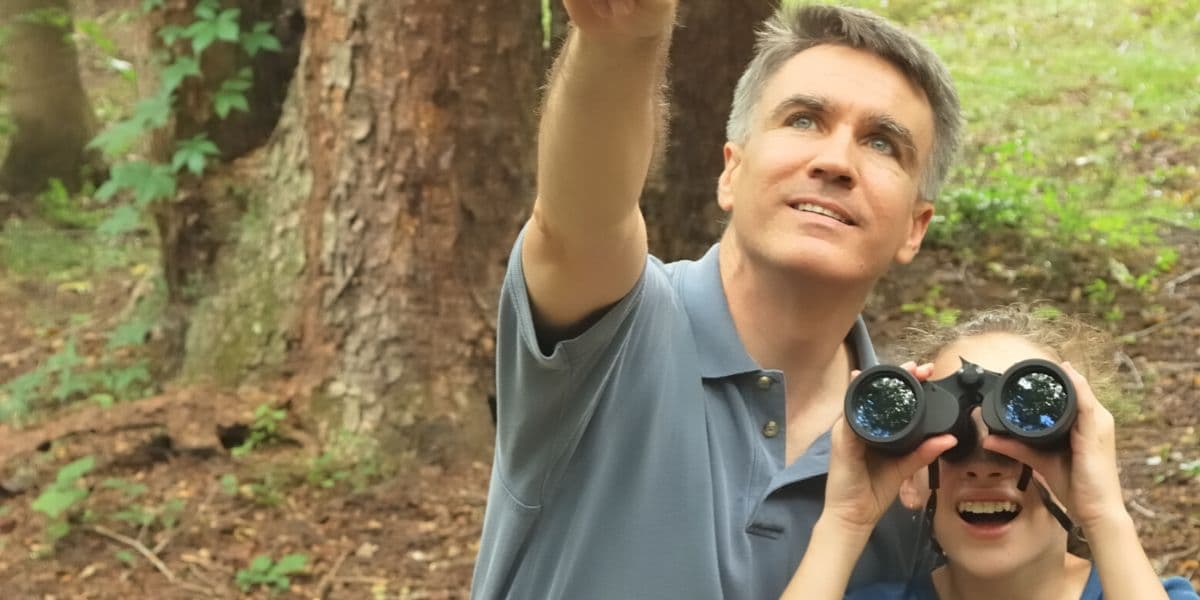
[{"x": 827, "y": 182}]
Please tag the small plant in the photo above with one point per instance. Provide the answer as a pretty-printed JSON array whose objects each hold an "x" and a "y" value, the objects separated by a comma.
[
  {"x": 57, "y": 500},
  {"x": 264, "y": 571},
  {"x": 264, "y": 430},
  {"x": 930, "y": 307}
]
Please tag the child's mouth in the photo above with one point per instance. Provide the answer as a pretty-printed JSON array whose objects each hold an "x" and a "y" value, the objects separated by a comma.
[{"x": 988, "y": 514}]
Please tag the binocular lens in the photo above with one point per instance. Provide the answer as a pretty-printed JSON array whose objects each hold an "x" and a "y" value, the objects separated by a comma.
[
  {"x": 1034, "y": 401},
  {"x": 884, "y": 406}
]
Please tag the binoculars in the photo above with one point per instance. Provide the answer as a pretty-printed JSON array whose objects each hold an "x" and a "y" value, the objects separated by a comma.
[{"x": 1033, "y": 401}]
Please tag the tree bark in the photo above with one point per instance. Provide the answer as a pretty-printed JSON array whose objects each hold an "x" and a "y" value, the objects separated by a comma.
[
  {"x": 373, "y": 246},
  {"x": 52, "y": 119},
  {"x": 378, "y": 219},
  {"x": 711, "y": 47}
]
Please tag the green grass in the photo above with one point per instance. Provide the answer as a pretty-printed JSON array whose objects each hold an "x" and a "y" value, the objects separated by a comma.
[{"x": 1081, "y": 118}]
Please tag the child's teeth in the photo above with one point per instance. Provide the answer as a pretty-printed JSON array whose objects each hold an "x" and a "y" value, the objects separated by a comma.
[{"x": 987, "y": 507}]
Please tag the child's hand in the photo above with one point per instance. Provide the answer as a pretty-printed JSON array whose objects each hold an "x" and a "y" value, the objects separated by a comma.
[
  {"x": 629, "y": 19},
  {"x": 1085, "y": 479},
  {"x": 863, "y": 483}
]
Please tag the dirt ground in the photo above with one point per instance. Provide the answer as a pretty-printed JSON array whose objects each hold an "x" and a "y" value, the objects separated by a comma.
[{"x": 414, "y": 533}]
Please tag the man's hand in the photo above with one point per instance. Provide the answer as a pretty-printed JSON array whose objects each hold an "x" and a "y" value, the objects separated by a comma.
[
  {"x": 1085, "y": 478},
  {"x": 630, "y": 19},
  {"x": 863, "y": 483}
]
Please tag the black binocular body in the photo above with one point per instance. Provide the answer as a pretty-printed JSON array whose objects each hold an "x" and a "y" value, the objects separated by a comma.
[{"x": 1032, "y": 401}]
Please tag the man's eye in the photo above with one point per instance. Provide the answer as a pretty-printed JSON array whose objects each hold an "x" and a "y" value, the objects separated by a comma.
[
  {"x": 802, "y": 122},
  {"x": 879, "y": 144}
]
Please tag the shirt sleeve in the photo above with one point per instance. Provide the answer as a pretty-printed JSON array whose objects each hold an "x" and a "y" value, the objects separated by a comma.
[
  {"x": 1179, "y": 588},
  {"x": 544, "y": 401}
]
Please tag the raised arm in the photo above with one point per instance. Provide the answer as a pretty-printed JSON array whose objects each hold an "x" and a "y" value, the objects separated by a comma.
[{"x": 585, "y": 245}]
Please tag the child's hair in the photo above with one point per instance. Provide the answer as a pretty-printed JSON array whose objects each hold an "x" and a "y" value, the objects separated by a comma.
[{"x": 1088, "y": 349}]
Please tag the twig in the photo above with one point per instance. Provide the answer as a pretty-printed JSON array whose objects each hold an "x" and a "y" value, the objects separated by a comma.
[
  {"x": 1169, "y": 287},
  {"x": 361, "y": 579},
  {"x": 326, "y": 582},
  {"x": 198, "y": 574},
  {"x": 1183, "y": 316},
  {"x": 136, "y": 545},
  {"x": 1149, "y": 514},
  {"x": 1124, "y": 359}
]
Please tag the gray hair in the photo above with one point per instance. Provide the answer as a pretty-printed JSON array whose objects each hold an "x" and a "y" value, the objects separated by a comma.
[{"x": 794, "y": 29}]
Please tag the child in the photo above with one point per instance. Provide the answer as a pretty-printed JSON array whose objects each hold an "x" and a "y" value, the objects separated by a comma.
[{"x": 998, "y": 541}]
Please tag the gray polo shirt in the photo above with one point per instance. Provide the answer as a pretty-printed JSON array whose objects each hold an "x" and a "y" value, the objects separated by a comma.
[{"x": 645, "y": 457}]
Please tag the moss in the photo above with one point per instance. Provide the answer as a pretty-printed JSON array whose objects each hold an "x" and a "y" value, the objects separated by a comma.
[{"x": 243, "y": 327}]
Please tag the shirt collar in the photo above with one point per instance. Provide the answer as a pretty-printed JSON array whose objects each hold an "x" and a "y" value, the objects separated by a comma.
[{"x": 717, "y": 342}]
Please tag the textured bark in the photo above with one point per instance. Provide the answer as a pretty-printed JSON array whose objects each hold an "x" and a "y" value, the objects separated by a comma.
[
  {"x": 711, "y": 48},
  {"x": 420, "y": 119},
  {"x": 378, "y": 220},
  {"x": 49, "y": 110}
]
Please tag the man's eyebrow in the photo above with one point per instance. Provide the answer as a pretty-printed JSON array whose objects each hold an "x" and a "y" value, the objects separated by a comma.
[
  {"x": 901, "y": 134},
  {"x": 815, "y": 104}
]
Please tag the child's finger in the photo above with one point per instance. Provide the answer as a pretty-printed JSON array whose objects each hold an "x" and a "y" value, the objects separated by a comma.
[
  {"x": 1048, "y": 464},
  {"x": 926, "y": 453}
]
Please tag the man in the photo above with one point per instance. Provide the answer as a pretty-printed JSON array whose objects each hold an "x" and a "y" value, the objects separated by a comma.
[{"x": 663, "y": 429}]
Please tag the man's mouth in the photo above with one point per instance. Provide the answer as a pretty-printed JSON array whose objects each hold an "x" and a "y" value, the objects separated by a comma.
[
  {"x": 988, "y": 513},
  {"x": 821, "y": 210}
]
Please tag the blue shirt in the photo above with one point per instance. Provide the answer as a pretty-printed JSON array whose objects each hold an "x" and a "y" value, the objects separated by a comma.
[
  {"x": 645, "y": 457},
  {"x": 1177, "y": 588}
]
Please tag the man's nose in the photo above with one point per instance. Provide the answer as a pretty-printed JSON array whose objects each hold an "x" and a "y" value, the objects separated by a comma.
[{"x": 833, "y": 162}]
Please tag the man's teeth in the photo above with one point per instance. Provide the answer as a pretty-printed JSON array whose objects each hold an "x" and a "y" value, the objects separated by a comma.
[
  {"x": 987, "y": 507},
  {"x": 813, "y": 208}
]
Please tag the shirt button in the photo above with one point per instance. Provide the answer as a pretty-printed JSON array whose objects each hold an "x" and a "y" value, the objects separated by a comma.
[
  {"x": 764, "y": 382},
  {"x": 771, "y": 429}
]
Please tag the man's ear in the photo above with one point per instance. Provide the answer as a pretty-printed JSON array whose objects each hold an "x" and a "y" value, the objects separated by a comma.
[
  {"x": 914, "y": 493},
  {"x": 922, "y": 214},
  {"x": 733, "y": 160}
]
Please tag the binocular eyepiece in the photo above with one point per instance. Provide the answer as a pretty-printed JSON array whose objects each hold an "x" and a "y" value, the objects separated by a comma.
[{"x": 1032, "y": 401}]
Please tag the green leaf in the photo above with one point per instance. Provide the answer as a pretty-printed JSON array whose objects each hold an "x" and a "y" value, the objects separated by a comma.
[
  {"x": 202, "y": 34},
  {"x": 148, "y": 182},
  {"x": 123, "y": 220},
  {"x": 125, "y": 556},
  {"x": 260, "y": 38},
  {"x": 130, "y": 333},
  {"x": 171, "y": 33},
  {"x": 70, "y": 473},
  {"x": 225, "y": 102},
  {"x": 206, "y": 9},
  {"x": 55, "y": 501},
  {"x": 154, "y": 111},
  {"x": 115, "y": 140},
  {"x": 227, "y": 25},
  {"x": 292, "y": 563},
  {"x": 65, "y": 358},
  {"x": 174, "y": 74},
  {"x": 192, "y": 153},
  {"x": 261, "y": 564},
  {"x": 57, "y": 530}
]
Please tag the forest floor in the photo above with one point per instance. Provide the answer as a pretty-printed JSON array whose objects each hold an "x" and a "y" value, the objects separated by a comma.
[{"x": 172, "y": 513}]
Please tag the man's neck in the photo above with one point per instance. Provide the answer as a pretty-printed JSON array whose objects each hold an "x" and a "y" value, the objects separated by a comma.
[
  {"x": 788, "y": 322},
  {"x": 1045, "y": 579}
]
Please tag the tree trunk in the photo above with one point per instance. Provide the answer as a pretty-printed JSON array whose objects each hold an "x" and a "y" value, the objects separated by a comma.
[
  {"x": 50, "y": 114},
  {"x": 712, "y": 46},
  {"x": 370, "y": 252},
  {"x": 377, "y": 221}
]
